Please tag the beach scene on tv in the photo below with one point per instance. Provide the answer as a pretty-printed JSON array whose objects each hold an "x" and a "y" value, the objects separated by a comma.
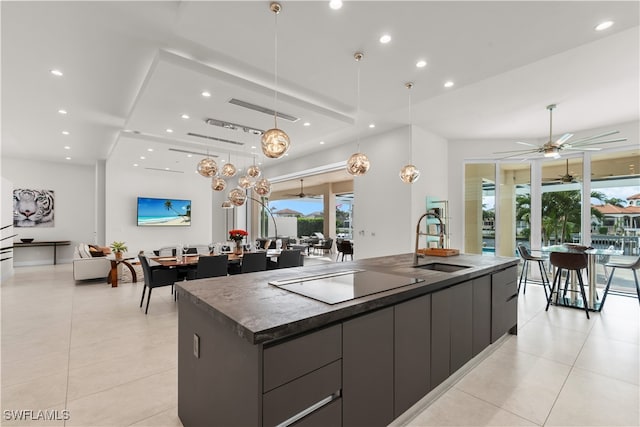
[{"x": 163, "y": 212}]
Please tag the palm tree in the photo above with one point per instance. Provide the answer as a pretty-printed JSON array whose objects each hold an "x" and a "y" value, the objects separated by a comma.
[{"x": 169, "y": 205}]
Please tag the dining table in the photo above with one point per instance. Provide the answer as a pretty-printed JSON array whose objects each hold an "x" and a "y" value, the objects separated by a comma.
[
  {"x": 592, "y": 256},
  {"x": 191, "y": 260}
]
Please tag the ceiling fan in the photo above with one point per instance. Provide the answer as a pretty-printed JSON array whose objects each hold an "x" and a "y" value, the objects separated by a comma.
[
  {"x": 567, "y": 178},
  {"x": 301, "y": 194},
  {"x": 552, "y": 148}
]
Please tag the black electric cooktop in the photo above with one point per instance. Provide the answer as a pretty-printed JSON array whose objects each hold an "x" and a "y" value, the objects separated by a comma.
[{"x": 341, "y": 286}]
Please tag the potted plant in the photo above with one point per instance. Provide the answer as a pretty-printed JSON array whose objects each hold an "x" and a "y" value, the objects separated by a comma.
[
  {"x": 237, "y": 235},
  {"x": 118, "y": 248}
]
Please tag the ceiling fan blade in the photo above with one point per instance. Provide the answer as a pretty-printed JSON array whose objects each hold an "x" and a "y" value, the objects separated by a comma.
[
  {"x": 608, "y": 141},
  {"x": 591, "y": 138},
  {"x": 583, "y": 149},
  {"x": 517, "y": 151},
  {"x": 564, "y": 138},
  {"x": 526, "y": 143}
]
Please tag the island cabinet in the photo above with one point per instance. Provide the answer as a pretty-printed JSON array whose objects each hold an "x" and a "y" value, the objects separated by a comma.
[{"x": 362, "y": 368}]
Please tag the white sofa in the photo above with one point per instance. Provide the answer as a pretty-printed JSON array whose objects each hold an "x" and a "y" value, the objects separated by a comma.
[{"x": 87, "y": 267}]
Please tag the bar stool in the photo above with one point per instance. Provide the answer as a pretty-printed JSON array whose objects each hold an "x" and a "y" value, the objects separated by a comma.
[
  {"x": 570, "y": 261},
  {"x": 526, "y": 256},
  {"x": 633, "y": 266}
]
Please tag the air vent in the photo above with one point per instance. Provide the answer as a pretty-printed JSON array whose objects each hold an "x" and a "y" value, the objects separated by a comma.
[
  {"x": 164, "y": 170},
  {"x": 264, "y": 110},
  {"x": 192, "y": 152},
  {"x": 228, "y": 141},
  {"x": 234, "y": 126}
]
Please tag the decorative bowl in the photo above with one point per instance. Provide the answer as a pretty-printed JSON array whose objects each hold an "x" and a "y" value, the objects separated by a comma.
[{"x": 26, "y": 240}]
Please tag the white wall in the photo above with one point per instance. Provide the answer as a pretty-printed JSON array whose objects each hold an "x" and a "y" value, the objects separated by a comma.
[
  {"x": 461, "y": 151},
  {"x": 6, "y": 213},
  {"x": 124, "y": 184},
  {"x": 74, "y": 206}
]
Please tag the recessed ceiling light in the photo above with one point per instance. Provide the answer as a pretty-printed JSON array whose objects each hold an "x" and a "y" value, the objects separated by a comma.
[
  {"x": 169, "y": 130},
  {"x": 189, "y": 155},
  {"x": 206, "y": 94},
  {"x": 372, "y": 125},
  {"x": 166, "y": 169},
  {"x": 335, "y": 4},
  {"x": 68, "y": 158},
  {"x": 64, "y": 132},
  {"x": 386, "y": 38},
  {"x": 142, "y": 157},
  {"x": 135, "y": 164},
  {"x": 127, "y": 131},
  {"x": 306, "y": 124},
  {"x": 66, "y": 147},
  {"x": 604, "y": 25},
  {"x": 62, "y": 111},
  {"x": 321, "y": 142},
  {"x": 253, "y": 147},
  {"x": 448, "y": 84},
  {"x": 185, "y": 116},
  {"x": 149, "y": 149},
  {"x": 56, "y": 73},
  {"x": 421, "y": 64},
  {"x": 286, "y": 154}
]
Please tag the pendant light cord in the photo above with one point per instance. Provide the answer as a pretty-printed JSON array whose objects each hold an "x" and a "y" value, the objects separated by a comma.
[
  {"x": 410, "y": 87},
  {"x": 275, "y": 73},
  {"x": 358, "y": 101}
]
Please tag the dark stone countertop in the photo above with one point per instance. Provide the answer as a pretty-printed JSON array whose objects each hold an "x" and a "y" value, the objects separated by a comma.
[{"x": 260, "y": 312}]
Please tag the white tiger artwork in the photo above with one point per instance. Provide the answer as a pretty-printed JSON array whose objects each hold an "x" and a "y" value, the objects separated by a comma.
[{"x": 32, "y": 208}]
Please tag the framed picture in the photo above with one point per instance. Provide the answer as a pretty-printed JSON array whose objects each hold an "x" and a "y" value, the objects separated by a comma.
[{"x": 32, "y": 208}]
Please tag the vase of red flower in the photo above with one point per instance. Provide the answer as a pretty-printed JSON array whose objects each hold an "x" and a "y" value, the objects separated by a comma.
[{"x": 237, "y": 236}]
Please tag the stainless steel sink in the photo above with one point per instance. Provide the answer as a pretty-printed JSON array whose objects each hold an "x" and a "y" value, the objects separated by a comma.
[{"x": 439, "y": 266}]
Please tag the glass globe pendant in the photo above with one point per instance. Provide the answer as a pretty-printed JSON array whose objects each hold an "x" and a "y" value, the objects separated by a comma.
[
  {"x": 275, "y": 143},
  {"x": 262, "y": 187},
  {"x": 358, "y": 164},
  {"x": 228, "y": 170},
  {"x": 218, "y": 184},
  {"x": 254, "y": 171},
  {"x": 245, "y": 182},
  {"x": 207, "y": 167},
  {"x": 409, "y": 174},
  {"x": 237, "y": 197}
]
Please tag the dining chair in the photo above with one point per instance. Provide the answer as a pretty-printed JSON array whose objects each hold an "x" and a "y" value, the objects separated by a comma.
[
  {"x": 344, "y": 247},
  {"x": 287, "y": 258},
  {"x": 155, "y": 277},
  {"x": 569, "y": 261},
  {"x": 633, "y": 266},
  {"x": 527, "y": 258},
  {"x": 326, "y": 245},
  {"x": 253, "y": 261},
  {"x": 209, "y": 266}
]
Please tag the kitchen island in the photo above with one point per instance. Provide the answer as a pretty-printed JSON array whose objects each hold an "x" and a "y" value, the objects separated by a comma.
[{"x": 252, "y": 353}]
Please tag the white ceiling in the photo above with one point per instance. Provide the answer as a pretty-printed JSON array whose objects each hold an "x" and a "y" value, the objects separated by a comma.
[{"x": 138, "y": 66}]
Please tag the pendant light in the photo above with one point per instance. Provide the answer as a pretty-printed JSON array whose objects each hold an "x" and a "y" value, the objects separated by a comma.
[
  {"x": 228, "y": 170},
  {"x": 218, "y": 184},
  {"x": 358, "y": 164},
  {"x": 237, "y": 196},
  {"x": 409, "y": 173},
  {"x": 254, "y": 171},
  {"x": 207, "y": 167},
  {"x": 275, "y": 142},
  {"x": 245, "y": 182},
  {"x": 262, "y": 187}
]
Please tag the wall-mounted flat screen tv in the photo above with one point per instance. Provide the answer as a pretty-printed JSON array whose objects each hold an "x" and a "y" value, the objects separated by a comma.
[{"x": 163, "y": 212}]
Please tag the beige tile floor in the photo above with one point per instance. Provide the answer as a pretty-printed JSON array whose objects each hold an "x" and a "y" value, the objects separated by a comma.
[{"x": 88, "y": 348}]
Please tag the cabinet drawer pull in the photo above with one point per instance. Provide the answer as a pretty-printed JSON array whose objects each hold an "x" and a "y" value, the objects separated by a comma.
[{"x": 310, "y": 409}]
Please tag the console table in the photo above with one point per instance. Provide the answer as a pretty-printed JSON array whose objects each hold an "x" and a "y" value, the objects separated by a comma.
[
  {"x": 113, "y": 273},
  {"x": 54, "y": 243}
]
